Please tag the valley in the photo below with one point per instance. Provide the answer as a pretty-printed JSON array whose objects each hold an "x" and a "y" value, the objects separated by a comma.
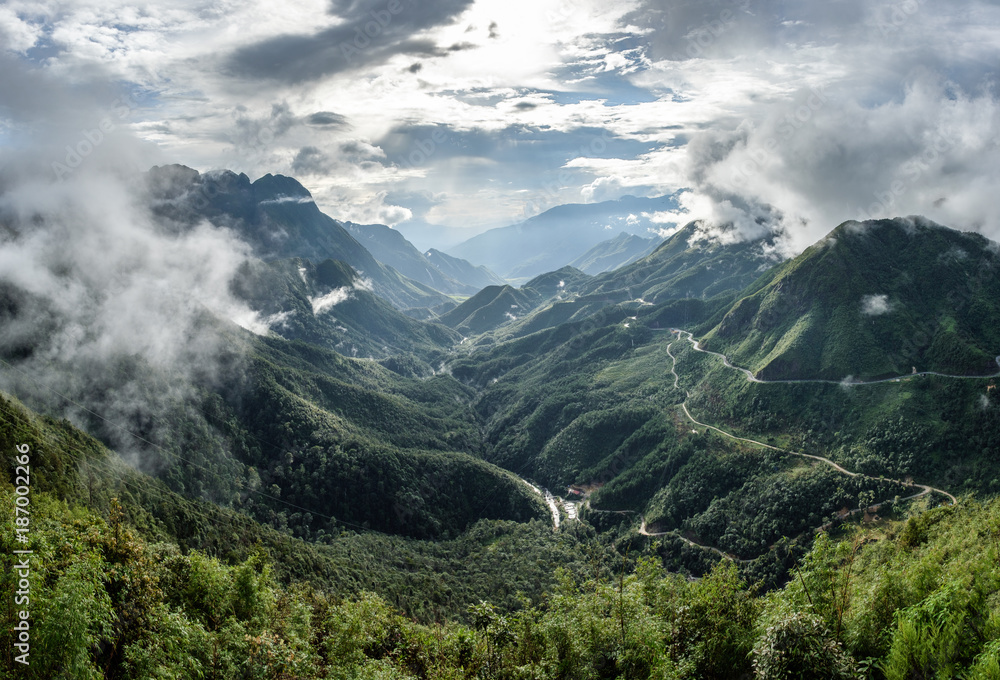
[{"x": 377, "y": 437}]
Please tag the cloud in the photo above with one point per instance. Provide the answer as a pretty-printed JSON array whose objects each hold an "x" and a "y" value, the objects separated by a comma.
[
  {"x": 15, "y": 33},
  {"x": 371, "y": 32},
  {"x": 331, "y": 299},
  {"x": 822, "y": 158},
  {"x": 102, "y": 303},
  {"x": 326, "y": 118},
  {"x": 93, "y": 283},
  {"x": 875, "y": 305},
  {"x": 789, "y": 117}
]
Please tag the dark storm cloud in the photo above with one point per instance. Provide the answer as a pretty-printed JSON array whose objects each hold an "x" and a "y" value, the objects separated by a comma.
[
  {"x": 688, "y": 29},
  {"x": 326, "y": 118},
  {"x": 373, "y": 31}
]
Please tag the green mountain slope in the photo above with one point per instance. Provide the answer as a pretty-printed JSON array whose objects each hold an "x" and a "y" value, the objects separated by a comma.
[
  {"x": 503, "y": 306},
  {"x": 489, "y": 308},
  {"x": 114, "y": 594},
  {"x": 686, "y": 265},
  {"x": 329, "y": 305},
  {"x": 351, "y": 439},
  {"x": 872, "y": 299},
  {"x": 74, "y": 478}
]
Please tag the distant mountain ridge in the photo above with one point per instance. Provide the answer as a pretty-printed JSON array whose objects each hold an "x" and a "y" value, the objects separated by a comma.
[
  {"x": 559, "y": 235},
  {"x": 477, "y": 276},
  {"x": 439, "y": 271},
  {"x": 687, "y": 266},
  {"x": 614, "y": 253}
]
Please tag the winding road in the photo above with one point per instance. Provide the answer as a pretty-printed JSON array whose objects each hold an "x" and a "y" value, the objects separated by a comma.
[
  {"x": 839, "y": 468},
  {"x": 846, "y": 381},
  {"x": 923, "y": 488},
  {"x": 553, "y": 503}
]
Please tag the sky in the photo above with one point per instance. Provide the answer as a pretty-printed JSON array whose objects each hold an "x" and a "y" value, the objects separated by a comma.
[{"x": 772, "y": 116}]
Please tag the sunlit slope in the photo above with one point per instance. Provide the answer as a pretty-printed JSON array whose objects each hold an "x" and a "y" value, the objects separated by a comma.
[{"x": 870, "y": 300}]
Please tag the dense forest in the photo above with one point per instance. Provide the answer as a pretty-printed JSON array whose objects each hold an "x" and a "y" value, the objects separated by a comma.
[{"x": 897, "y": 599}]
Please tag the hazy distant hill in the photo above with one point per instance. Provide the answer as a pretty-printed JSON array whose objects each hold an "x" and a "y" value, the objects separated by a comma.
[
  {"x": 451, "y": 276},
  {"x": 559, "y": 236},
  {"x": 426, "y": 236},
  {"x": 872, "y": 299},
  {"x": 614, "y": 253},
  {"x": 477, "y": 276},
  {"x": 277, "y": 216}
]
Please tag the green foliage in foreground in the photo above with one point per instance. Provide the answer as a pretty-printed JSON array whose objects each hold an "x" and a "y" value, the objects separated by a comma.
[{"x": 913, "y": 599}]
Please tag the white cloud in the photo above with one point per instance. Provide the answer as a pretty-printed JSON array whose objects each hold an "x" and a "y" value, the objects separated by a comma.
[
  {"x": 331, "y": 299},
  {"x": 875, "y": 305},
  {"x": 16, "y": 34}
]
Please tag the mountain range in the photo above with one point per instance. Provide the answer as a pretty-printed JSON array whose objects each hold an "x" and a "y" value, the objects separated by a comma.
[
  {"x": 560, "y": 235},
  {"x": 379, "y": 432},
  {"x": 441, "y": 272},
  {"x": 278, "y": 218}
]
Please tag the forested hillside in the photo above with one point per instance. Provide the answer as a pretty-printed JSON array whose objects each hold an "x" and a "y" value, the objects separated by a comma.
[{"x": 872, "y": 299}]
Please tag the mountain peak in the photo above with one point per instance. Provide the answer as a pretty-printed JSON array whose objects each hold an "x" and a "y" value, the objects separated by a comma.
[
  {"x": 280, "y": 186},
  {"x": 870, "y": 300}
]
